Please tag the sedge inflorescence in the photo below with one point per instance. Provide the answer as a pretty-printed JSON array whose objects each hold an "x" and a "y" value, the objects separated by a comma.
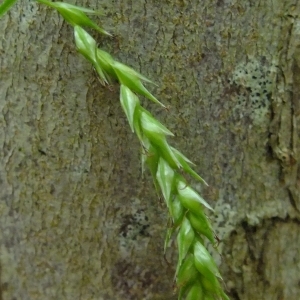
[{"x": 197, "y": 276}]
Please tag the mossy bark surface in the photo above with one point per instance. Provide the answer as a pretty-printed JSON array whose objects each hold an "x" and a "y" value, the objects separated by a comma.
[{"x": 78, "y": 220}]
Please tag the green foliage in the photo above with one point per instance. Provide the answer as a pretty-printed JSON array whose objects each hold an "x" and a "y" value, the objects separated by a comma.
[
  {"x": 75, "y": 15},
  {"x": 6, "y": 5},
  {"x": 197, "y": 276}
]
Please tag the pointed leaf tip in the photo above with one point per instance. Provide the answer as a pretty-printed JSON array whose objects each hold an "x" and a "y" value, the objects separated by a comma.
[
  {"x": 6, "y": 5},
  {"x": 187, "y": 271},
  {"x": 129, "y": 102},
  {"x": 152, "y": 126},
  {"x": 196, "y": 292},
  {"x": 165, "y": 178},
  {"x": 75, "y": 15},
  {"x": 87, "y": 46},
  {"x": 185, "y": 239},
  {"x": 132, "y": 79},
  {"x": 190, "y": 199},
  {"x": 205, "y": 263}
]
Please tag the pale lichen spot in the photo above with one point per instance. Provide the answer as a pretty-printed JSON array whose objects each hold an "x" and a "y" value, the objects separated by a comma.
[{"x": 255, "y": 80}]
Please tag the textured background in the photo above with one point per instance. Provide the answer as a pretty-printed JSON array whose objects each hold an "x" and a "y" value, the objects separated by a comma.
[{"x": 78, "y": 221}]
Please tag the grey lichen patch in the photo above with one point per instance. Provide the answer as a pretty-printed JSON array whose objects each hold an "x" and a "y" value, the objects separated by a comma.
[
  {"x": 224, "y": 219},
  {"x": 254, "y": 80},
  {"x": 133, "y": 231}
]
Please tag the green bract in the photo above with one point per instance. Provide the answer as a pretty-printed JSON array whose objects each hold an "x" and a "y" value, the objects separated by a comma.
[
  {"x": 132, "y": 80},
  {"x": 152, "y": 127},
  {"x": 151, "y": 158},
  {"x": 106, "y": 62},
  {"x": 185, "y": 162},
  {"x": 165, "y": 178},
  {"x": 86, "y": 45},
  {"x": 6, "y": 5},
  {"x": 200, "y": 223},
  {"x": 75, "y": 15},
  {"x": 185, "y": 239},
  {"x": 190, "y": 199},
  {"x": 205, "y": 264},
  {"x": 187, "y": 272},
  {"x": 195, "y": 292},
  {"x": 177, "y": 211},
  {"x": 130, "y": 102}
]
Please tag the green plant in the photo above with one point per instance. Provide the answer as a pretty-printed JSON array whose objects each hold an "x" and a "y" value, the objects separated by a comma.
[
  {"x": 6, "y": 5},
  {"x": 197, "y": 275}
]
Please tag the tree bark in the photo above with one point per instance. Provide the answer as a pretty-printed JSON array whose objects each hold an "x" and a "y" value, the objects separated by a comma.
[{"x": 78, "y": 219}]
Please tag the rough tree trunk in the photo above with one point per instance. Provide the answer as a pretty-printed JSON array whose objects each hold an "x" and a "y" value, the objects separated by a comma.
[{"x": 78, "y": 221}]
